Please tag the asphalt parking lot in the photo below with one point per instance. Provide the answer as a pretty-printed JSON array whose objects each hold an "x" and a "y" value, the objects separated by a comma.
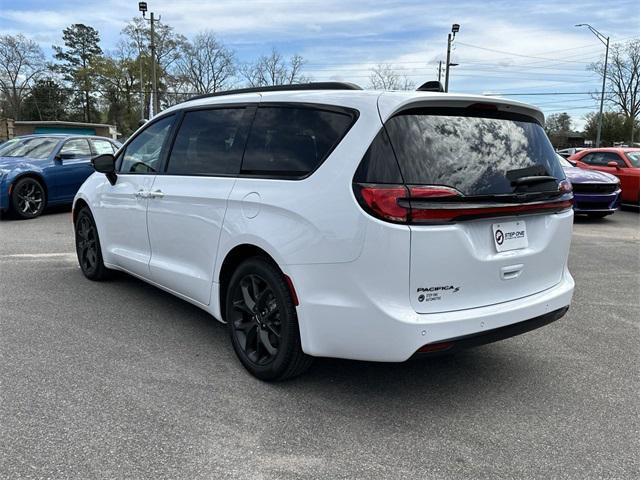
[{"x": 120, "y": 380}]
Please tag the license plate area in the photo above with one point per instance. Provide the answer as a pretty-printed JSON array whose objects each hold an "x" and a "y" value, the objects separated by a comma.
[{"x": 510, "y": 236}]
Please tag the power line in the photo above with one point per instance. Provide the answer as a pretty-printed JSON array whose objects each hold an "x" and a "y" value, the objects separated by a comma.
[{"x": 518, "y": 54}]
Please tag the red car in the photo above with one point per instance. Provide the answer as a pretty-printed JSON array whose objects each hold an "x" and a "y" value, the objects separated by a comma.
[{"x": 622, "y": 162}]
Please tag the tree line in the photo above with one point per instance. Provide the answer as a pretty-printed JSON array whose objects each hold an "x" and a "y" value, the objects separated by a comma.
[{"x": 84, "y": 83}]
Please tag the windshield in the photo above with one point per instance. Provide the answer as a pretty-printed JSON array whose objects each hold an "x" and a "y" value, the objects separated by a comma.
[
  {"x": 634, "y": 158},
  {"x": 564, "y": 162},
  {"x": 33, "y": 147},
  {"x": 477, "y": 155}
]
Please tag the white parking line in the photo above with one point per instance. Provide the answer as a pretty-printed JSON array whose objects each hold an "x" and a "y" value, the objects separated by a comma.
[{"x": 39, "y": 256}]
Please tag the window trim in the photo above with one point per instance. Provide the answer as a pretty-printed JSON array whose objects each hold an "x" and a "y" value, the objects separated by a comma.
[
  {"x": 94, "y": 152},
  {"x": 352, "y": 112},
  {"x": 64, "y": 143},
  {"x": 163, "y": 150},
  {"x": 250, "y": 109}
]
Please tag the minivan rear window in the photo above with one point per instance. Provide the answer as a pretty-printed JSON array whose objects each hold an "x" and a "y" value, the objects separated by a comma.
[
  {"x": 478, "y": 154},
  {"x": 292, "y": 142}
]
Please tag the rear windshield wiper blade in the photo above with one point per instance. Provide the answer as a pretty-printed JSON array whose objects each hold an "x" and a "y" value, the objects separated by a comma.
[{"x": 533, "y": 180}]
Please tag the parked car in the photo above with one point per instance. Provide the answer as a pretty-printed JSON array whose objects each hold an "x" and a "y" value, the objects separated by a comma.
[
  {"x": 624, "y": 163},
  {"x": 596, "y": 194},
  {"x": 41, "y": 170},
  {"x": 567, "y": 152},
  {"x": 326, "y": 221}
]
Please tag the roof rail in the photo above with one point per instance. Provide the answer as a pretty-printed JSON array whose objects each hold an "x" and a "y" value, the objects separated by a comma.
[{"x": 283, "y": 88}]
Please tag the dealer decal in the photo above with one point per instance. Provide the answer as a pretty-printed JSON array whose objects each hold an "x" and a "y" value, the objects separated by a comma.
[{"x": 433, "y": 294}]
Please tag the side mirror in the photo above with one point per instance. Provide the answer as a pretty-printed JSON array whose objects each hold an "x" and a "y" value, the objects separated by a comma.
[
  {"x": 613, "y": 165},
  {"x": 106, "y": 164},
  {"x": 64, "y": 156}
]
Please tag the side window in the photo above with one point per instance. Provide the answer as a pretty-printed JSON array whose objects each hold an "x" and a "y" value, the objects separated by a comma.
[
  {"x": 612, "y": 157},
  {"x": 75, "y": 148},
  {"x": 142, "y": 155},
  {"x": 209, "y": 142},
  {"x": 101, "y": 147},
  {"x": 591, "y": 159},
  {"x": 292, "y": 142}
]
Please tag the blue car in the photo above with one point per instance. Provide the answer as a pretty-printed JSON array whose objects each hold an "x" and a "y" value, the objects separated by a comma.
[{"x": 41, "y": 170}]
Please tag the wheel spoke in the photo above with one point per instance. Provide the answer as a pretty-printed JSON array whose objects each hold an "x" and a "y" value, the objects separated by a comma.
[
  {"x": 272, "y": 330},
  {"x": 242, "y": 306},
  {"x": 266, "y": 342},
  {"x": 249, "y": 302}
]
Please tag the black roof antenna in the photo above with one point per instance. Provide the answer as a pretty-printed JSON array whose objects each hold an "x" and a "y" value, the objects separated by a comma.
[{"x": 432, "y": 86}]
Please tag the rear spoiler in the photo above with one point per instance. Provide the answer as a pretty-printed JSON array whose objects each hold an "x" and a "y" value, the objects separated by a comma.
[{"x": 391, "y": 103}]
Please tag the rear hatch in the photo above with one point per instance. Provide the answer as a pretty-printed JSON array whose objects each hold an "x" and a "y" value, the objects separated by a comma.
[{"x": 486, "y": 200}]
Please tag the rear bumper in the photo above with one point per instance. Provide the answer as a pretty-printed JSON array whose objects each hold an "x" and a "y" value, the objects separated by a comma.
[
  {"x": 596, "y": 203},
  {"x": 451, "y": 345},
  {"x": 357, "y": 329}
]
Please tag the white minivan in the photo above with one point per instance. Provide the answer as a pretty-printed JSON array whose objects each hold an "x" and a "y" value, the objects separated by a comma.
[{"x": 322, "y": 220}]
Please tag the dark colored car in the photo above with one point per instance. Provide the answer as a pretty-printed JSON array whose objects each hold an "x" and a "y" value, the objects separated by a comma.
[
  {"x": 622, "y": 162},
  {"x": 41, "y": 170},
  {"x": 595, "y": 193}
]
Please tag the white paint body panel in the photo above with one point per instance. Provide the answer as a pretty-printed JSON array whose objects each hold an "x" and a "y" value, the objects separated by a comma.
[{"x": 355, "y": 275}]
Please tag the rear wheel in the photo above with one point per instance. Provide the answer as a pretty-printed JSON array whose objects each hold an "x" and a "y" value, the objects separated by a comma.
[
  {"x": 262, "y": 322},
  {"x": 88, "y": 247},
  {"x": 27, "y": 198}
]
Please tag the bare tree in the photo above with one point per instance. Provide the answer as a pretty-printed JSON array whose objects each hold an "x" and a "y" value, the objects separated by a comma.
[
  {"x": 384, "y": 77},
  {"x": 169, "y": 46},
  {"x": 274, "y": 70},
  {"x": 623, "y": 80},
  {"x": 206, "y": 65},
  {"x": 21, "y": 63}
]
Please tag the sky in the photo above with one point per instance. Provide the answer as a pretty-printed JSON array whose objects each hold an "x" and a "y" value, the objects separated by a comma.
[{"x": 512, "y": 48}]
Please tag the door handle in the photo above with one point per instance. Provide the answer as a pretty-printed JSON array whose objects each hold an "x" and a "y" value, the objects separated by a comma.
[
  {"x": 156, "y": 194},
  {"x": 141, "y": 194}
]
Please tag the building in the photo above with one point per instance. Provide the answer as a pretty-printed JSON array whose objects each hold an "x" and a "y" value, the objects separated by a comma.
[{"x": 14, "y": 128}]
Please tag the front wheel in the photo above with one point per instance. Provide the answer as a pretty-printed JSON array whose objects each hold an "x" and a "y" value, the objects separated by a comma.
[
  {"x": 263, "y": 323},
  {"x": 88, "y": 247},
  {"x": 27, "y": 198}
]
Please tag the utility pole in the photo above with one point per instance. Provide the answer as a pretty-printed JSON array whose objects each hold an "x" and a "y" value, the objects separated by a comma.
[
  {"x": 605, "y": 42},
  {"x": 440, "y": 71},
  {"x": 155, "y": 103},
  {"x": 455, "y": 28},
  {"x": 154, "y": 79}
]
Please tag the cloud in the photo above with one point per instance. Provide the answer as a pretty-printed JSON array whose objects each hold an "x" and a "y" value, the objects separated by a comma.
[{"x": 343, "y": 39}]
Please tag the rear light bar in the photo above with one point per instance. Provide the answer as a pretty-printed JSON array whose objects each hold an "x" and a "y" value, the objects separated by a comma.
[{"x": 440, "y": 204}]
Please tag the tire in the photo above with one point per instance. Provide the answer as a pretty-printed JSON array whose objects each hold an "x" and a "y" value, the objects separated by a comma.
[
  {"x": 598, "y": 214},
  {"x": 28, "y": 198},
  {"x": 88, "y": 247},
  {"x": 262, "y": 322}
]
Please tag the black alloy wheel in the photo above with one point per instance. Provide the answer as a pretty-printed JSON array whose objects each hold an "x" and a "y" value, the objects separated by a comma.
[
  {"x": 88, "y": 246},
  {"x": 256, "y": 319},
  {"x": 28, "y": 198},
  {"x": 263, "y": 323}
]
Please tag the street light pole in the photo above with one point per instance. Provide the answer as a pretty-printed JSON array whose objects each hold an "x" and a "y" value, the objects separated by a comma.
[
  {"x": 605, "y": 41},
  {"x": 455, "y": 28},
  {"x": 155, "y": 103},
  {"x": 154, "y": 79}
]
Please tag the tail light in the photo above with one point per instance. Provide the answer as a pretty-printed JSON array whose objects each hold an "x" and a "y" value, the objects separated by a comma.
[{"x": 440, "y": 204}]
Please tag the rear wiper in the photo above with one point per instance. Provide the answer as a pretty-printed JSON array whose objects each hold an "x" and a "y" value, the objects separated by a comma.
[{"x": 533, "y": 180}]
